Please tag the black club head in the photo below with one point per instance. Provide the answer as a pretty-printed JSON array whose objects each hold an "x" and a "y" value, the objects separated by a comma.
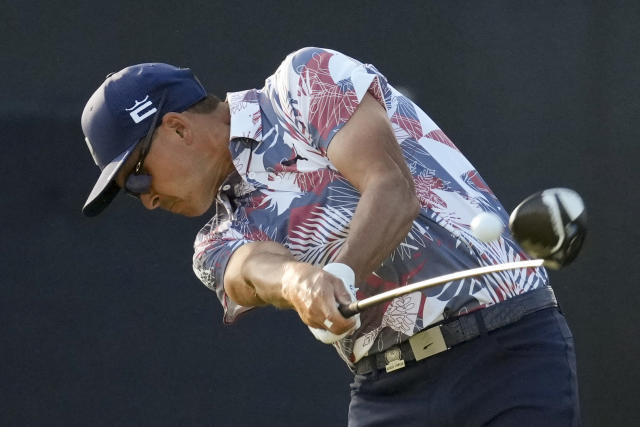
[{"x": 551, "y": 225}]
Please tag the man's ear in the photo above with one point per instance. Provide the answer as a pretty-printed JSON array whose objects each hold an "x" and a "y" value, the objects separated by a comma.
[{"x": 177, "y": 123}]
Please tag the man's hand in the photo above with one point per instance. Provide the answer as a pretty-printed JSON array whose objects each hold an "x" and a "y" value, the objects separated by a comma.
[{"x": 315, "y": 295}]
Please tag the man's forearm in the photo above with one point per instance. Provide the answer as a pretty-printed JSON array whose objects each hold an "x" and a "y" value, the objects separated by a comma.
[
  {"x": 367, "y": 154},
  {"x": 261, "y": 273},
  {"x": 254, "y": 274},
  {"x": 383, "y": 218}
]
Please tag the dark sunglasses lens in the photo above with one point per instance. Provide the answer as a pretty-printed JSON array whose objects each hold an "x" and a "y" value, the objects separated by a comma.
[{"x": 137, "y": 184}]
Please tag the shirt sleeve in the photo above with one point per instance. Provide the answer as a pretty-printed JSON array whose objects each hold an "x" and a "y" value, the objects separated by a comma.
[
  {"x": 324, "y": 87},
  {"x": 213, "y": 247}
]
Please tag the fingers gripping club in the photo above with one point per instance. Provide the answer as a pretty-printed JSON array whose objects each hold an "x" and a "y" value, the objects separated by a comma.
[{"x": 346, "y": 274}]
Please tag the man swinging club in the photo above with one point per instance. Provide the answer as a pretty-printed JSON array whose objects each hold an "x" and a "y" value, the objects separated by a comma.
[{"x": 328, "y": 166}]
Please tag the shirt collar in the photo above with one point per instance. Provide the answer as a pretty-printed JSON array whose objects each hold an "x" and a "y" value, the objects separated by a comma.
[
  {"x": 246, "y": 120},
  {"x": 234, "y": 186}
]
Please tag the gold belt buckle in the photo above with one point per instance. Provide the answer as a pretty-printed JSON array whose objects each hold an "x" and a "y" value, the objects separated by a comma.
[{"x": 427, "y": 343}]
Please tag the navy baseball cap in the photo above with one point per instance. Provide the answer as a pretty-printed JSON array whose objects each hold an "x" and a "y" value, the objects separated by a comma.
[{"x": 121, "y": 112}]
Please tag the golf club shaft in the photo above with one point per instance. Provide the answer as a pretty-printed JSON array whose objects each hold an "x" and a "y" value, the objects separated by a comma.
[{"x": 358, "y": 306}]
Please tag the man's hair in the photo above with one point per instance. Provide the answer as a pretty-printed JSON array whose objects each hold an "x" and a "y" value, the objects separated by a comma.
[{"x": 206, "y": 105}]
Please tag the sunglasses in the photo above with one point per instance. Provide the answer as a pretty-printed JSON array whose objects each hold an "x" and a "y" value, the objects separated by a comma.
[{"x": 137, "y": 182}]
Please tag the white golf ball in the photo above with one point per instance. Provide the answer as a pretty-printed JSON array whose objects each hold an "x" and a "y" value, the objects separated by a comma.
[{"x": 487, "y": 227}]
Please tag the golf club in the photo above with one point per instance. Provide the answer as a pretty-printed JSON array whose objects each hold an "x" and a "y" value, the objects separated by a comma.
[{"x": 550, "y": 225}]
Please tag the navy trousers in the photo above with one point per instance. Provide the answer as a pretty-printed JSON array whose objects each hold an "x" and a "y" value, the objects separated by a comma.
[{"x": 523, "y": 374}]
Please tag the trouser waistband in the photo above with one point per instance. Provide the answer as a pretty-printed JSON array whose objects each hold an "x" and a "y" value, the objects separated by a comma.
[{"x": 442, "y": 337}]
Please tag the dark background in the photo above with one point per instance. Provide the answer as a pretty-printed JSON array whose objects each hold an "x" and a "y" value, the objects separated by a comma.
[{"x": 103, "y": 321}]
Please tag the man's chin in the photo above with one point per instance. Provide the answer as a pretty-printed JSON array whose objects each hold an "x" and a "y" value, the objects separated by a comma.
[
  {"x": 196, "y": 211},
  {"x": 189, "y": 207}
]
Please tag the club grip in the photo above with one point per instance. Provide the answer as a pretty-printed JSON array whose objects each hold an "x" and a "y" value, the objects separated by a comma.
[{"x": 348, "y": 310}]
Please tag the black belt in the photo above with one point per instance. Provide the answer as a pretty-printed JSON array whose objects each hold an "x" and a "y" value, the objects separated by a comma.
[{"x": 442, "y": 337}]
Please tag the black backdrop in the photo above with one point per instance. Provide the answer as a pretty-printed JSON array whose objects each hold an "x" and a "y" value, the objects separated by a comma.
[{"x": 103, "y": 322}]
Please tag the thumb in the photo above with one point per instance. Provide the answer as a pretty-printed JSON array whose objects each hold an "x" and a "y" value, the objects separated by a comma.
[{"x": 344, "y": 294}]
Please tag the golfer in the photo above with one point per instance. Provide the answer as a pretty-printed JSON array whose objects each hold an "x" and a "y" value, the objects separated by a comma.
[{"x": 329, "y": 166}]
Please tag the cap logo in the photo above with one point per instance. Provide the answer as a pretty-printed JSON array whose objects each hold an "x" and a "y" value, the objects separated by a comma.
[{"x": 141, "y": 110}]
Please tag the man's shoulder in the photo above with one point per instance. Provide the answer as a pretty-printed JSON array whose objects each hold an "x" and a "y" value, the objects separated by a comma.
[
  {"x": 309, "y": 64},
  {"x": 311, "y": 57},
  {"x": 309, "y": 51}
]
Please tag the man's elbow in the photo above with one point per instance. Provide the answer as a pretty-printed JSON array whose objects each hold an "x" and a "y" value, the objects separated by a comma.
[{"x": 408, "y": 199}]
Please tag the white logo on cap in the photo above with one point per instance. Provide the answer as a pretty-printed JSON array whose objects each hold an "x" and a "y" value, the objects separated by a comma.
[{"x": 141, "y": 110}]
